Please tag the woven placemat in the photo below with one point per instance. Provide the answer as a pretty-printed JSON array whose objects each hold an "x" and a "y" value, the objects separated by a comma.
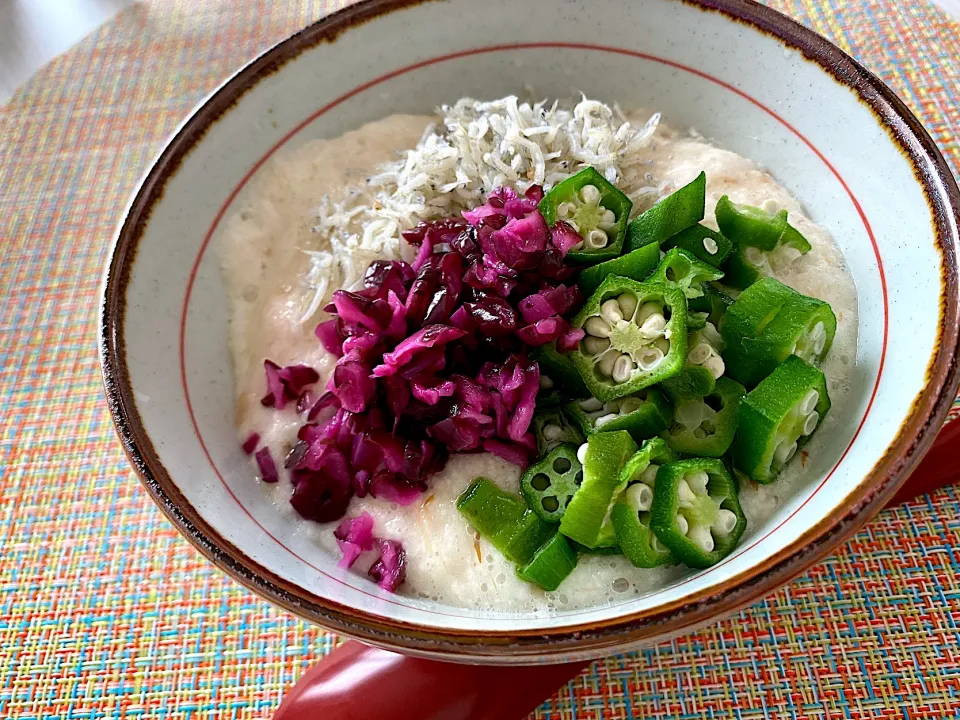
[{"x": 106, "y": 612}]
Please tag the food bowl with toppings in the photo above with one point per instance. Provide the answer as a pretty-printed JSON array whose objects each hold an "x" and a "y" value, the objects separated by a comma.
[{"x": 489, "y": 353}]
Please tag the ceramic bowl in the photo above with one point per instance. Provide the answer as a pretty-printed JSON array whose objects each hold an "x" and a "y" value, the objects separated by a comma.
[{"x": 746, "y": 77}]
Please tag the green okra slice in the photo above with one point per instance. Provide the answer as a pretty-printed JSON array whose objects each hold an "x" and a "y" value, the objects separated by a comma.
[
  {"x": 696, "y": 511},
  {"x": 644, "y": 414},
  {"x": 680, "y": 268},
  {"x": 763, "y": 241},
  {"x": 552, "y": 427},
  {"x": 636, "y": 265},
  {"x": 596, "y": 209},
  {"x": 703, "y": 366},
  {"x": 706, "y": 245},
  {"x": 705, "y": 427},
  {"x": 504, "y": 519},
  {"x": 673, "y": 214},
  {"x": 778, "y": 417},
  {"x": 587, "y": 519},
  {"x": 559, "y": 370},
  {"x": 635, "y": 336},
  {"x": 551, "y": 564},
  {"x": 550, "y": 483},
  {"x": 768, "y": 323},
  {"x": 631, "y": 513},
  {"x": 713, "y": 303}
]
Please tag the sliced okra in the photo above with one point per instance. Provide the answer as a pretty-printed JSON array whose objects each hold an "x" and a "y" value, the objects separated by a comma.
[
  {"x": 680, "y": 268},
  {"x": 764, "y": 241},
  {"x": 644, "y": 414},
  {"x": 778, "y": 417},
  {"x": 552, "y": 428},
  {"x": 696, "y": 511},
  {"x": 768, "y": 323},
  {"x": 595, "y": 209},
  {"x": 587, "y": 518},
  {"x": 635, "y": 336},
  {"x": 705, "y": 244},
  {"x": 631, "y": 513},
  {"x": 713, "y": 302},
  {"x": 703, "y": 366},
  {"x": 673, "y": 214},
  {"x": 560, "y": 370},
  {"x": 705, "y": 426},
  {"x": 549, "y": 484},
  {"x": 636, "y": 265},
  {"x": 504, "y": 519},
  {"x": 551, "y": 564}
]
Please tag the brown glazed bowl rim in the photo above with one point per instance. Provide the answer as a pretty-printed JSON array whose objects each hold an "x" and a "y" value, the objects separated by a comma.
[{"x": 914, "y": 437}]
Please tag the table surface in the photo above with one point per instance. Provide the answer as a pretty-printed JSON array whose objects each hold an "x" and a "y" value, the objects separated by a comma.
[{"x": 106, "y": 612}]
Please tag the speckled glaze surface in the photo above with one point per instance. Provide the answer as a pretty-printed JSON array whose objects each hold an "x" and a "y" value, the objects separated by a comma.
[{"x": 830, "y": 132}]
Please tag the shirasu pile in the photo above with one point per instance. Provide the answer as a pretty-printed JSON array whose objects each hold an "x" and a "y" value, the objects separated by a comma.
[{"x": 476, "y": 147}]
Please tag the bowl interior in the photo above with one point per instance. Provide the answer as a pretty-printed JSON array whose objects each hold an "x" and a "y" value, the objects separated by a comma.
[{"x": 743, "y": 89}]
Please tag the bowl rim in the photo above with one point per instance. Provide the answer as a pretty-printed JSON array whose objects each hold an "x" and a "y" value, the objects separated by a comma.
[{"x": 914, "y": 436}]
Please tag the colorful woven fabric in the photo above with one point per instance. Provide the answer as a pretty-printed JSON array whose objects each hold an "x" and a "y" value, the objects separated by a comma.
[{"x": 106, "y": 612}]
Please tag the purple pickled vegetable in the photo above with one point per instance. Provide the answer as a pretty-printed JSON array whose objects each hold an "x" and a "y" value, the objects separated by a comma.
[
  {"x": 353, "y": 386},
  {"x": 390, "y": 569},
  {"x": 250, "y": 444},
  {"x": 331, "y": 335},
  {"x": 543, "y": 331},
  {"x": 355, "y": 536},
  {"x": 268, "y": 469},
  {"x": 424, "y": 339},
  {"x": 358, "y": 311},
  {"x": 323, "y": 495},
  {"x": 564, "y": 237},
  {"x": 286, "y": 384},
  {"x": 570, "y": 339},
  {"x": 430, "y": 389},
  {"x": 511, "y": 452},
  {"x": 387, "y": 486}
]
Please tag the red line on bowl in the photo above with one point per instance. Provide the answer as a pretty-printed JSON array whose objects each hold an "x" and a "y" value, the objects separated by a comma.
[{"x": 501, "y": 48}]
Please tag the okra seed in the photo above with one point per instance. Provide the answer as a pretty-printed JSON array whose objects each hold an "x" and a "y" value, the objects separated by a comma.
[
  {"x": 608, "y": 220},
  {"x": 699, "y": 354},
  {"x": 656, "y": 544},
  {"x": 596, "y": 239},
  {"x": 809, "y": 402},
  {"x": 650, "y": 358},
  {"x": 653, "y": 326},
  {"x": 699, "y": 433},
  {"x": 662, "y": 344},
  {"x": 612, "y": 406},
  {"x": 770, "y": 206},
  {"x": 552, "y": 432},
  {"x": 590, "y": 194},
  {"x": 604, "y": 419},
  {"x": 576, "y": 228},
  {"x": 682, "y": 525},
  {"x": 591, "y": 404},
  {"x": 710, "y": 245},
  {"x": 819, "y": 338},
  {"x": 755, "y": 256},
  {"x": 783, "y": 452},
  {"x": 646, "y": 310},
  {"x": 610, "y": 311},
  {"x": 582, "y": 454},
  {"x": 595, "y": 345},
  {"x": 545, "y": 382},
  {"x": 702, "y": 538},
  {"x": 786, "y": 256},
  {"x": 597, "y": 326},
  {"x": 628, "y": 304},
  {"x": 630, "y": 405},
  {"x": 606, "y": 363},
  {"x": 640, "y": 497},
  {"x": 697, "y": 481},
  {"x": 712, "y": 335},
  {"x": 578, "y": 246},
  {"x": 810, "y": 424},
  {"x": 725, "y": 523},
  {"x": 565, "y": 210},
  {"x": 622, "y": 369},
  {"x": 684, "y": 493},
  {"x": 649, "y": 475},
  {"x": 715, "y": 365}
]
